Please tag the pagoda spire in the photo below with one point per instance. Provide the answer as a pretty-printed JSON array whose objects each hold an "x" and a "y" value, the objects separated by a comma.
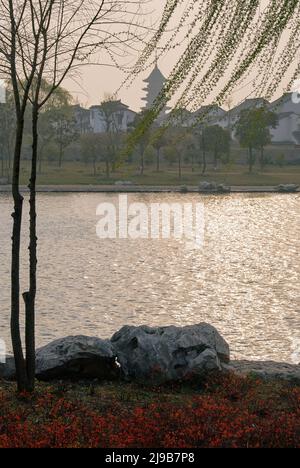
[{"x": 154, "y": 85}]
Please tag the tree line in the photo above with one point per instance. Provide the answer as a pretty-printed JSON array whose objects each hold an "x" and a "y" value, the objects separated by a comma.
[{"x": 199, "y": 146}]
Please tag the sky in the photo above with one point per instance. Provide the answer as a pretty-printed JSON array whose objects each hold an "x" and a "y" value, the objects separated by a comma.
[{"x": 93, "y": 83}]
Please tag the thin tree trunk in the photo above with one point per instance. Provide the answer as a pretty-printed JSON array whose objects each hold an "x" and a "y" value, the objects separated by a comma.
[
  {"x": 142, "y": 163},
  {"x": 204, "y": 162},
  {"x": 157, "y": 160},
  {"x": 114, "y": 160},
  {"x": 9, "y": 160},
  {"x": 216, "y": 160},
  {"x": 228, "y": 156},
  {"x": 30, "y": 296},
  {"x": 200, "y": 161},
  {"x": 107, "y": 168},
  {"x": 60, "y": 155},
  {"x": 15, "y": 265},
  {"x": 179, "y": 166},
  {"x": 251, "y": 161},
  {"x": 262, "y": 158}
]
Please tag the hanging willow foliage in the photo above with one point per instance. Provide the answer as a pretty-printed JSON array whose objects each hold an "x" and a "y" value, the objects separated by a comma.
[{"x": 227, "y": 41}]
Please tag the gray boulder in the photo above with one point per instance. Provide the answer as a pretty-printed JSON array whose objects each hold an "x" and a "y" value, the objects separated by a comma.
[
  {"x": 76, "y": 357},
  {"x": 287, "y": 188},
  {"x": 213, "y": 187},
  {"x": 162, "y": 354},
  {"x": 7, "y": 369}
]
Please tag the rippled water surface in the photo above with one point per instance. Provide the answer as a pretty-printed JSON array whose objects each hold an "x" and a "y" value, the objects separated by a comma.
[{"x": 244, "y": 280}]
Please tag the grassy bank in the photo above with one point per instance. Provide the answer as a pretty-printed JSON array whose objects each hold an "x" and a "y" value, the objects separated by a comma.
[
  {"x": 226, "y": 411},
  {"x": 72, "y": 173}
]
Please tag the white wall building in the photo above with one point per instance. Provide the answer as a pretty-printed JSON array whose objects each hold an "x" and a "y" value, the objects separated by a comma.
[
  {"x": 287, "y": 109},
  {"x": 211, "y": 115},
  {"x": 288, "y": 113},
  {"x": 119, "y": 119},
  {"x": 229, "y": 119}
]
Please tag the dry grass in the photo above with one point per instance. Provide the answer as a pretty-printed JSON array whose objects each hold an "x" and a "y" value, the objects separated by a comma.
[{"x": 76, "y": 173}]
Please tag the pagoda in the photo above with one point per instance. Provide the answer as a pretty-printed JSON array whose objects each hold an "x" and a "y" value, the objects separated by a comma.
[{"x": 155, "y": 83}]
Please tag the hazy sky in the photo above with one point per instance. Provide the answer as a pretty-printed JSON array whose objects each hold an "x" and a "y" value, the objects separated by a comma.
[{"x": 95, "y": 81}]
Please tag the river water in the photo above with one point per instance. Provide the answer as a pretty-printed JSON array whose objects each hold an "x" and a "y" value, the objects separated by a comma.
[{"x": 244, "y": 279}]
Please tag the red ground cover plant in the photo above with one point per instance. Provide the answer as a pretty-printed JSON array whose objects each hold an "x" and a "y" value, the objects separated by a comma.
[{"x": 229, "y": 411}]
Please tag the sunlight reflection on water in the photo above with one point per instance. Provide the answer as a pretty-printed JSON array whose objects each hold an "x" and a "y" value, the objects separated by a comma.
[{"x": 245, "y": 279}]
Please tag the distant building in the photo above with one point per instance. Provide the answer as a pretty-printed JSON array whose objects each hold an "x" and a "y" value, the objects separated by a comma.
[
  {"x": 211, "y": 115},
  {"x": 82, "y": 117},
  {"x": 96, "y": 119},
  {"x": 182, "y": 118},
  {"x": 206, "y": 115},
  {"x": 154, "y": 85},
  {"x": 231, "y": 117},
  {"x": 288, "y": 111},
  {"x": 113, "y": 116},
  {"x": 288, "y": 128}
]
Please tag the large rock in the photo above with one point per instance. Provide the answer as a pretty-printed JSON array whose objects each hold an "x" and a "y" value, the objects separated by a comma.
[
  {"x": 287, "y": 188},
  {"x": 162, "y": 354},
  {"x": 213, "y": 187},
  {"x": 7, "y": 369},
  {"x": 76, "y": 357}
]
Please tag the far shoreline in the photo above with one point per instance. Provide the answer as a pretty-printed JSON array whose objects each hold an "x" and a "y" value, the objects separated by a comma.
[{"x": 143, "y": 189}]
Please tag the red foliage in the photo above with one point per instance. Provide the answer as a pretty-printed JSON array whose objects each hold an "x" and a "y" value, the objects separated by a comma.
[{"x": 231, "y": 412}]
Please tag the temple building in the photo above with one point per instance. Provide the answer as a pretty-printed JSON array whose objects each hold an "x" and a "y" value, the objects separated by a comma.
[
  {"x": 154, "y": 85},
  {"x": 114, "y": 115}
]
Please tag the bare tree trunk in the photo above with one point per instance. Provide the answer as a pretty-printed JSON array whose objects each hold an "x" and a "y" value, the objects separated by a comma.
[
  {"x": 157, "y": 160},
  {"x": 142, "y": 163},
  {"x": 9, "y": 160},
  {"x": 204, "y": 162},
  {"x": 107, "y": 168},
  {"x": 251, "y": 159},
  {"x": 228, "y": 156},
  {"x": 179, "y": 166},
  {"x": 215, "y": 160},
  {"x": 262, "y": 158},
  {"x": 30, "y": 296},
  {"x": 2, "y": 164},
  {"x": 60, "y": 155},
  {"x": 15, "y": 266},
  {"x": 114, "y": 161}
]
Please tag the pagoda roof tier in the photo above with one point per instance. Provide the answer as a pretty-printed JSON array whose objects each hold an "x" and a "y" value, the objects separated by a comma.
[{"x": 155, "y": 75}]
